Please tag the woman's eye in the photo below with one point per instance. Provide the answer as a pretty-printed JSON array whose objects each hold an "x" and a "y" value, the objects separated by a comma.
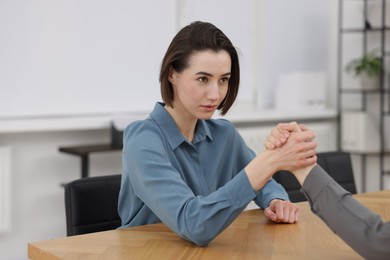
[
  {"x": 203, "y": 79},
  {"x": 224, "y": 81}
]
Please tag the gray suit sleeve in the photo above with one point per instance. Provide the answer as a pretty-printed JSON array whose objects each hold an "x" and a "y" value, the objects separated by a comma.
[{"x": 357, "y": 225}]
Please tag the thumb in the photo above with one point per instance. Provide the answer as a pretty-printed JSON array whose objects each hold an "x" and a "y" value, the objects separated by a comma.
[
  {"x": 303, "y": 127},
  {"x": 270, "y": 214},
  {"x": 291, "y": 127}
]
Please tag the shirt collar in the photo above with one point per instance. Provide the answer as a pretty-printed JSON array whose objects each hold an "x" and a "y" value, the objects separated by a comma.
[{"x": 168, "y": 126}]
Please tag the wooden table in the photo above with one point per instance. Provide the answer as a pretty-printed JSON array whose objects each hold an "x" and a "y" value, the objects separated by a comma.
[{"x": 250, "y": 236}]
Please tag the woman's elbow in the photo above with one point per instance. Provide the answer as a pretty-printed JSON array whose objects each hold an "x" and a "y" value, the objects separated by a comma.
[{"x": 201, "y": 241}]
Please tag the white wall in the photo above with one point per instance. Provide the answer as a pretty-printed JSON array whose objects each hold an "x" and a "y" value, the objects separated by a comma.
[
  {"x": 71, "y": 57},
  {"x": 295, "y": 39}
]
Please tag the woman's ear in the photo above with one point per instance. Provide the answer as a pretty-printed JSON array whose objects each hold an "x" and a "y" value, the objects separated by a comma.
[{"x": 171, "y": 75}]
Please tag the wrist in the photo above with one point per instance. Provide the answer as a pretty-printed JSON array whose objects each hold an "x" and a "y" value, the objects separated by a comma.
[
  {"x": 260, "y": 170},
  {"x": 302, "y": 173},
  {"x": 274, "y": 201}
]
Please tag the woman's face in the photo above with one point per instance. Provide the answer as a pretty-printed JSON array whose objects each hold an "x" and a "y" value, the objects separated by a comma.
[{"x": 202, "y": 86}]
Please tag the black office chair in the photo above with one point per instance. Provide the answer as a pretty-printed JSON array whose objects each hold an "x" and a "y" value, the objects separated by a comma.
[
  {"x": 337, "y": 164},
  {"x": 91, "y": 204}
]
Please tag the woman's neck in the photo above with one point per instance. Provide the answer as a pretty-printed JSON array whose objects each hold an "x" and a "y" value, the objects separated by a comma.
[{"x": 185, "y": 124}]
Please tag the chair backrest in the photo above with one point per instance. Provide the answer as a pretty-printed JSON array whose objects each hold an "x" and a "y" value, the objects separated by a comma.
[
  {"x": 337, "y": 164},
  {"x": 91, "y": 204}
]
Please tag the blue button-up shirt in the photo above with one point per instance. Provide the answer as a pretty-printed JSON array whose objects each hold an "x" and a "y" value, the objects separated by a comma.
[{"x": 197, "y": 189}]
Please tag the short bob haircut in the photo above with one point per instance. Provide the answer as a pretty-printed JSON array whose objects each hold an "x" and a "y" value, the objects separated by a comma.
[{"x": 198, "y": 36}]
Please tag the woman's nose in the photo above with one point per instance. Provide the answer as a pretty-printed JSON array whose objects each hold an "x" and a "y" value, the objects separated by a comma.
[{"x": 213, "y": 92}]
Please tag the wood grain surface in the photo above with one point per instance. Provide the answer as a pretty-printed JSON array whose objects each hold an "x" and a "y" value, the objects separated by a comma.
[{"x": 250, "y": 236}]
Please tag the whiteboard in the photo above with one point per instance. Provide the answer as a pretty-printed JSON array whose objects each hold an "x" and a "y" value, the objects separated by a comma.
[{"x": 73, "y": 57}]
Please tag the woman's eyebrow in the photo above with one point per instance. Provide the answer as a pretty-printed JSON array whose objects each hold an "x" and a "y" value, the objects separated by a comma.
[
  {"x": 203, "y": 73},
  {"x": 210, "y": 75}
]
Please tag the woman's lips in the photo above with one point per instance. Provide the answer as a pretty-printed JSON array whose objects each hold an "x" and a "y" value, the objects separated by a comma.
[{"x": 209, "y": 108}]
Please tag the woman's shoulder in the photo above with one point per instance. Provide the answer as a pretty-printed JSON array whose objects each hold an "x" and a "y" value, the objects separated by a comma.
[
  {"x": 220, "y": 123},
  {"x": 141, "y": 129}
]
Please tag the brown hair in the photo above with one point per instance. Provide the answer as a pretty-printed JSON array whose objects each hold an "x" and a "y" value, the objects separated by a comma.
[{"x": 198, "y": 36}]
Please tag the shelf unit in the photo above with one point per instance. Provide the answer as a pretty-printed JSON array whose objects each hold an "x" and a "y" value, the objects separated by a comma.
[{"x": 368, "y": 32}]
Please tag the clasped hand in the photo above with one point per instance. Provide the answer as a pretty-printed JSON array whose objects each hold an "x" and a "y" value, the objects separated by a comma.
[{"x": 284, "y": 135}]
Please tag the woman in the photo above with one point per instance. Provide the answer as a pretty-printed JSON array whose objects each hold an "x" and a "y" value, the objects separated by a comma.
[{"x": 194, "y": 173}]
